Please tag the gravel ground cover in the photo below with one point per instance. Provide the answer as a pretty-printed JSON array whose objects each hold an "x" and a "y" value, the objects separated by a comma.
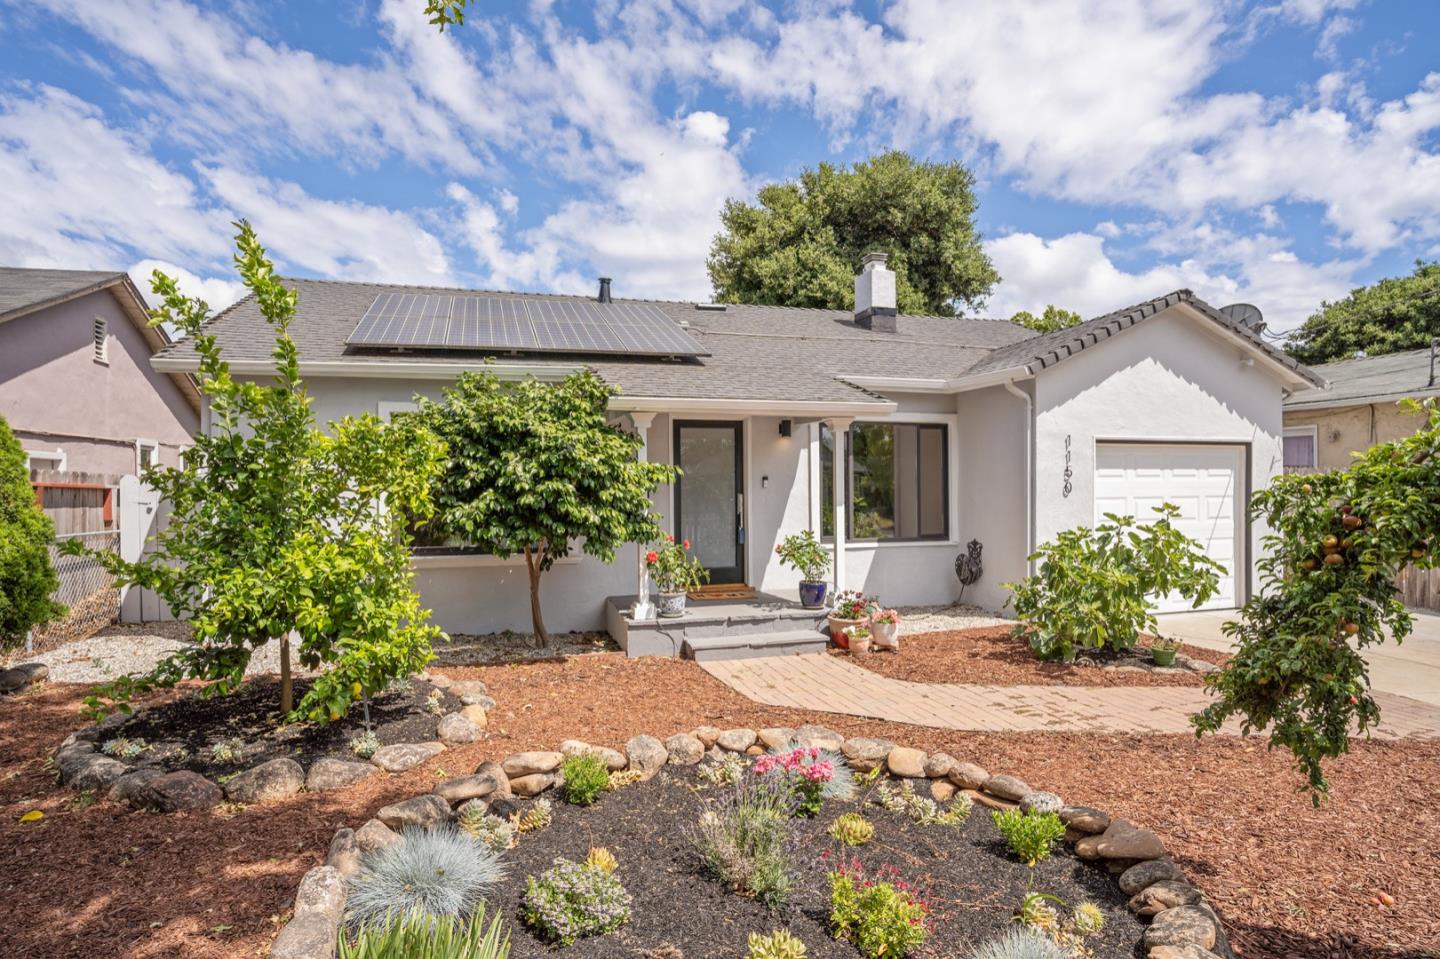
[
  {"x": 132, "y": 648},
  {"x": 1288, "y": 879},
  {"x": 991, "y": 656}
]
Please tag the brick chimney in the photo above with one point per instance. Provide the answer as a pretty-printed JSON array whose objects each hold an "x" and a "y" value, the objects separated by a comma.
[{"x": 875, "y": 295}]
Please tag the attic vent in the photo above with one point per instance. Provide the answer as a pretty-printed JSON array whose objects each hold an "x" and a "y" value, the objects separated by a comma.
[
  {"x": 102, "y": 340},
  {"x": 719, "y": 307}
]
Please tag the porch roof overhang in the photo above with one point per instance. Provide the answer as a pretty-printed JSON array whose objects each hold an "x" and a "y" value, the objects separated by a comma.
[
  {"x": 951, "y": 384},
  {"x": 626, "y": 403}
]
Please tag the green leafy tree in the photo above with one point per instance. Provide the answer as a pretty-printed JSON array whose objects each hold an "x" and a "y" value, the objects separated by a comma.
[
  {"x": 1338, "y": 541},
  {"x": 1395, "y": 314},
  {"x": 446, "y": 13},
  {"x": 536, "y": 467},
  {"x": 1092, "y": 588},
  {"x": 801, "y": 242},
  {"x": 277, "y": 528},
  {"x": 1054, "y": 318},
  {"x": 26, "y": 577}
]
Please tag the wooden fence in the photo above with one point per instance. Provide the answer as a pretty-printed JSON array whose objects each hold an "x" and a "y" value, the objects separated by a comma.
[
  {"x": 77, "y": 502},
  {"x": 1420, "y": 588}
]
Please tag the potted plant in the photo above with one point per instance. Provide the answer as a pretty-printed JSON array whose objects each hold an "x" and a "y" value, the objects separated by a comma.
[
  {"x": 852, "y": 608},
  {"x": 803, "y": 553},
  {"x": 885, "y": 629},
  {"x": 858, "y": 640},
  {"x": 1163, "y": 651},
  {"x": 675, "y": 572}
]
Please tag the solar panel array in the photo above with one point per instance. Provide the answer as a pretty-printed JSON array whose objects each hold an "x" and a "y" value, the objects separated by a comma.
[{"x": 479, "y": 322}]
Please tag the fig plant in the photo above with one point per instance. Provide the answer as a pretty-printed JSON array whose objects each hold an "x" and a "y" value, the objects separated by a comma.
[{"x": 1337, "y": 543}]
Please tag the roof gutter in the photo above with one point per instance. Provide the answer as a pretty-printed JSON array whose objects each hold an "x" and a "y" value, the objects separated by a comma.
[
  {"x": 1301, "y": 405},
  {"x": 389, "y": 369},
  {"x": 953, "y": 384},
  {"x": 625, "y": 403}
]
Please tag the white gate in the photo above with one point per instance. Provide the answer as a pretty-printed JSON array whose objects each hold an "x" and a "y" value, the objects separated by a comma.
[{"x": 141, "y": 515}]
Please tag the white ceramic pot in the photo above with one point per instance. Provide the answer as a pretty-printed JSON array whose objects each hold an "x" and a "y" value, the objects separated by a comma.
[
  {"x": 671, "y": 605},
  {"x": 886, "y": 636}
]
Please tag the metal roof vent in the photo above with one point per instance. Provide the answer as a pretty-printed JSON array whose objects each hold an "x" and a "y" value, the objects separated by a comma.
[
  {"x": 604, "y": 296},
  {"x": 1247, "y": 315}
]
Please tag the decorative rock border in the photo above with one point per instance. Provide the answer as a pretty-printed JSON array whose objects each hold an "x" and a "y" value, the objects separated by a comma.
[
  {"x": 82, "y": 767},
  {"x": 1182, "y": 925},
  {"x": 20, "y": 677}
]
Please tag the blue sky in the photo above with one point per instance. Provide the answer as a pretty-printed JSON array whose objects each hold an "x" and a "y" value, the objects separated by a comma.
[{"x": 1279, "y": 152}]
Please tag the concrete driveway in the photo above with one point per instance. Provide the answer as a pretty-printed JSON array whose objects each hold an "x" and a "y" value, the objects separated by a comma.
[{"x": 1411, "y": 668}]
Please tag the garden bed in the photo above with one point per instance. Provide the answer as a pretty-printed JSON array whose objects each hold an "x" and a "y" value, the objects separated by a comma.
[{"x": 993, "y": 657}]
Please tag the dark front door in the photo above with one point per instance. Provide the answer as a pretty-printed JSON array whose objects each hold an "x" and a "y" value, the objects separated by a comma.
[{"x": 709, "y": 496}]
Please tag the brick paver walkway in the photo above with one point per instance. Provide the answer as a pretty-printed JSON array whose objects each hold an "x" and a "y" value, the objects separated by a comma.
[{"x": 831, "y": 684}]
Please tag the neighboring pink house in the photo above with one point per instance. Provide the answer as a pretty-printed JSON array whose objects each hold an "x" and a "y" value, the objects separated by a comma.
[{"x": 75, "y": 379}]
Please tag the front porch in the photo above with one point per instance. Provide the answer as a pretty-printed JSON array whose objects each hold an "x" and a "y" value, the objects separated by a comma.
[{"x": 719, "y": 629}]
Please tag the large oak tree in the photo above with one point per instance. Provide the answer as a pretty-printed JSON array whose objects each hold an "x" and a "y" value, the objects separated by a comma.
[{"x": 1397, "y": 313}]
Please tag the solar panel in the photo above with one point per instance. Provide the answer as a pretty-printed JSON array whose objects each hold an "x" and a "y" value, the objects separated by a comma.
[{"x": 479, "y": 322}]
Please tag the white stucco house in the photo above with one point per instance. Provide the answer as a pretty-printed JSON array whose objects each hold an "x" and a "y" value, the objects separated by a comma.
[{"x": 955, "y": 430}]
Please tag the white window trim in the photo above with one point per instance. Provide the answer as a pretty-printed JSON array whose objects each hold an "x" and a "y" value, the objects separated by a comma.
[
  {"x": 1311, "y": 430},
  {"x": 951, "y": 421},
  {"x": 48, "y": 455},
  {"x": 388, "y": 408},
  {"x": 141, "y": 444}
]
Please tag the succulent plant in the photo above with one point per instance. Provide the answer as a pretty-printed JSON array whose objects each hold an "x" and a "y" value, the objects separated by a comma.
[
  {"x": 227, "y": 750},
  {"x": 1087, "y": 919},
  {"x": 852, "y": 829},
  {"x": 602, "y": 859},
  {"x": 474, "y": 818},
  {"x": 626, "y": 777},
  {"x": 777, "y": 945},
  {"x": 922, "y": 809},
  {"x": 538, "y": 816},
  {"x": 725, "y": 771},
  {"x": 125, "y": 747},
  {"x": 365, "y": 744}
]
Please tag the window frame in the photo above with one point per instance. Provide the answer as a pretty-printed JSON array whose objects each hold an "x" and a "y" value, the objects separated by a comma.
[
  {"x": 55, "y": 456},
  {"x": 1311, "y": 430},
  {"x": 950, "y": 472},
  {"x": 140, "y": 446}
]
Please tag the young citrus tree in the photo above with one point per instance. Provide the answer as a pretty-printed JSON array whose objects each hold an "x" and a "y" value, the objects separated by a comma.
[
  {"x": 26, "y": 577},
  {"x": 535, "y": 467},
  {"x": 1338, "y": 541},
  {"x": 278, "y": 528}
]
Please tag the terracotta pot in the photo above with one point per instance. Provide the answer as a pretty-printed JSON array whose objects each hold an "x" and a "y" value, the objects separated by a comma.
[
  {"x": 837, "y": 630},
  {"x": 886, "y": 636},
  {"x": 859, "y": 645}
]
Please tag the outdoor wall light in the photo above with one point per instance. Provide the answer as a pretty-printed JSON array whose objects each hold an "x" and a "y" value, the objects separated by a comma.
[{"x": 785, "y": 427}]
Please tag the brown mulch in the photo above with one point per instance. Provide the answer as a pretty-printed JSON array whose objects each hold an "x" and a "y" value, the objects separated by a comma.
[
  {"x": 1290, "y": 880},
  {"x": 991, "y": 656}
]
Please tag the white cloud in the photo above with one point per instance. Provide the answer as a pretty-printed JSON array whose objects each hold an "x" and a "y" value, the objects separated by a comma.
[{"x": 217, "y": 292}]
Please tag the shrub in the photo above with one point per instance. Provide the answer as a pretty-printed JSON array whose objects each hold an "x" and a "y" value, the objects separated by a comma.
[
  {"x": 806, "y": 555},
  {"x": 922, "y": 809},
  {"x": 364, "y": 744},
  {"x": 1092, "y": 587},
  {"x": 571, "y": 900},
  {"x": 440, "y": 873},
  {"x": 490, "y": 831},
  {"x": 1021, "y": 944},
  {"x": 804, "y": 774},
  {"x": 27, "y": 578},
  {"x": 852, "y": 829},
  {"x": 777, "y": 945},
  {"x": 743, "y": 841},
  {"x": 1029, "y": 834},
  {"x": 412, "y": 936},
  {"x": 586, "y": 777},
  {"x": 881, "y": 915}
]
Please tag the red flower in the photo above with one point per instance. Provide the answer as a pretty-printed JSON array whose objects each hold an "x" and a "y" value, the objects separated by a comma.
[
  {"x": 669, "y": 538},
  {"x": 687, "y": 544},
  {"x": 651, "y": 556}
]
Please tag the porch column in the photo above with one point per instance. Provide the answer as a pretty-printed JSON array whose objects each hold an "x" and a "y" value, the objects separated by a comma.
[
  {"x": 838, "y": 437},
  {"x": 643, "y": 608}
]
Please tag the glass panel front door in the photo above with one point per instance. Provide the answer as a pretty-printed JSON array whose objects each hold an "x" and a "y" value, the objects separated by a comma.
[{"x": 708, "y": 497}]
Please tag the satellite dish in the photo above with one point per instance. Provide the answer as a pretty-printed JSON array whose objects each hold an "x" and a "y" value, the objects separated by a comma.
[{"x": 1247, "y": 315}]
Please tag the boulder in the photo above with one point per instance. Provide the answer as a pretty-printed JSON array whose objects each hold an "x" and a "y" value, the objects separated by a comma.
[
  {"x": 1088, "y": 848},
  {"x": 706, "y": 734},
  {"x": 531, "y": 763},
  {"x": 458, "y": 728},
  {"x": 531, "y": 785},
  {"x": 1084, "y": 819},
  {"x": 375, "y": 835},
  {"x": 438, "y": 680},
  {"x": 477, "y": 715},
  {"x": 310, "y": 936},
  {"x": 938, "y": 765},
  {"x": 968, "y": 775},
  {"x": 1187, "y": 951},
  {"x": 1124, "y": 840},
  {"x": 1162, "y": 895},
  {"x": 647, "y": 754},
  {"x": 179, "y": 791},
  {"x": 329, "y": 773},
  {"x": 403, "y": 756},
  {"x": 344, "y": 854},
  {"x": 1181, "y": 926},
  {"x": 574, "y": 747},
  {"x": 1006, "y": 787},
  {"x": 684, "y": 749},
  {"x": 477, "y": 699},
  {"x": 989, "y": 801},
  {"x": 736, "y": 740},
  {"x": 943, "y": 790},
  {"x": 463, "y": 788},
  {"x": 863, "y": 754},
  {"x": 819, "y": 737},
  {"x": 266, "y": 782},
  {"x": 131, "y": 785},
  {"x": 1041, "y": 802},
  {"x": 906, "y": 763},
  {"x": 23, "y": 676},
  {"x": 461, "y": 687},
  {"x": 755, "y": 750},
  {"x": 1148, "y": 873},
  {"x": 494, "y": 769},
  {"x": 614, "y": 759},
  {"x": 96, "y": 772},
  {"x": 776, "y": 737},
  {"x": 321, "y": 892},
  {"x": 422, "y": 811}
]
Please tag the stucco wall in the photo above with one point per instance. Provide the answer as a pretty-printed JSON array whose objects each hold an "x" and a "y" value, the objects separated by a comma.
[
  {"x": 992, "y": 489},
  {"x": 1354, "y": 429},
  {"x": 1167, "y": 379},
  {"x": 51, "y": 384}
]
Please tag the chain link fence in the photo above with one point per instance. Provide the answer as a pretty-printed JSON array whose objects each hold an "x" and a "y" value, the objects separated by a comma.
[{"x": 86, "y": 589}]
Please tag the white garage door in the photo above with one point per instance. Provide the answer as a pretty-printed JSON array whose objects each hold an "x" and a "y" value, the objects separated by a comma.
[{"x": 1206, "y": 482}]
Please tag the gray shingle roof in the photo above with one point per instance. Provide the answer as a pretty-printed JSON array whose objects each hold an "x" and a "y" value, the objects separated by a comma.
[
  {"x": 1046, "y": 350},
  {"x": 1370, "y": 379},
  {"x": 23, "y": 290}
]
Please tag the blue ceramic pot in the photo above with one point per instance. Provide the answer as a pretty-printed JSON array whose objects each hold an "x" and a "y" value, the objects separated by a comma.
[{"x": 812, "y": 595}]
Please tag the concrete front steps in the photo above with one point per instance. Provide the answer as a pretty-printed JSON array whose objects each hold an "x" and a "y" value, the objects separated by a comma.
[{"x": 713, "y": 630}]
